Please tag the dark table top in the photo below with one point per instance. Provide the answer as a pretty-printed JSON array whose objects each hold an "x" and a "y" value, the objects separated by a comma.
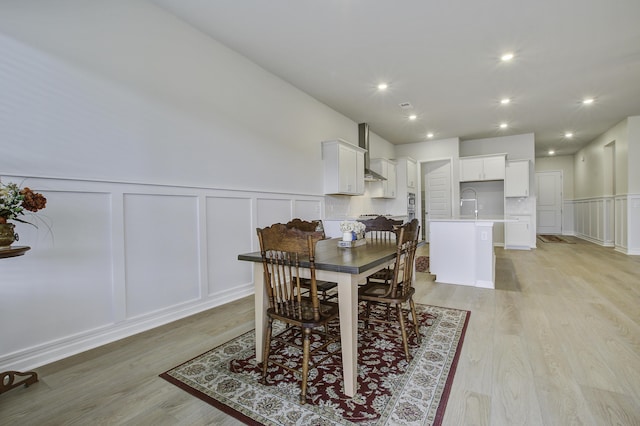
[{"x": 330, "y": 257}]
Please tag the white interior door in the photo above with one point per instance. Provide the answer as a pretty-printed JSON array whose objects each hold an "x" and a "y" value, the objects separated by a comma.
[
  {"x": 549, "y": 202},
  {"x": 437, "y": 185}
]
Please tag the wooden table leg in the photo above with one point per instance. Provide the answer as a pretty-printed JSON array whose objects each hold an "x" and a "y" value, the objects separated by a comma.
[
  {"x": 348, "y": 305},
  {"x": 260, "y": 300}
]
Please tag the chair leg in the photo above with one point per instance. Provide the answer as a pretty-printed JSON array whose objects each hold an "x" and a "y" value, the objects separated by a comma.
[
  {"x": 305, "y": 364},
  {"x": 416, "y": 326},
  {"x": 405, "y": 342},
  {"x": 367, "y": 313},
  {"x": 266, "y": 350}
]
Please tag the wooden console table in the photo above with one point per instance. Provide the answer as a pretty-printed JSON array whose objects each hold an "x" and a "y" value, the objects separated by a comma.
[{"x": 13, "y": 379}]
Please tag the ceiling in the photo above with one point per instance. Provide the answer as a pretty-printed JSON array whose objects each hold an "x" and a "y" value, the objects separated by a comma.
[{"x": 443, "y": 58}]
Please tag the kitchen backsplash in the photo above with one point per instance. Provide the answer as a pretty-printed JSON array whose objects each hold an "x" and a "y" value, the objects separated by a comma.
[
  {"x": 350, "y": 207},
  {"x": 520, "y": 206}
]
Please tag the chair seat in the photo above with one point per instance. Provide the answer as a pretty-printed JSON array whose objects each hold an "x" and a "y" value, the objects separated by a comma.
[
  {"x": 322, "y": 286},
  {"x": 375, "y": 292},
  {"x": 302, "y": 314}
]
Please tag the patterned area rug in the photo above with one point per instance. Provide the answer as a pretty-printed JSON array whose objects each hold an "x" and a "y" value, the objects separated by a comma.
[
  {"x": 422, "y": 263},
  {"x": 554, "y": 239},
  {"x": 390, "y": 390}
]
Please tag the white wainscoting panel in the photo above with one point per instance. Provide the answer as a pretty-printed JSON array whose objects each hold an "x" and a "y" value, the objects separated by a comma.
[
  {"x": 161, "y": 252},
  {"x": 568, "y": 218},
  {"x": 620, "y": 221},
  {"x": 227, "y": 236},
  {"x": 273, "y": 210},
  {"x": 633, "y": 224},
  {"x": 594, "y": 219}
]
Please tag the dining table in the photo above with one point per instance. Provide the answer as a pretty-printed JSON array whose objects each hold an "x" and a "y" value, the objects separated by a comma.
[{"x": 347, "y": 266}]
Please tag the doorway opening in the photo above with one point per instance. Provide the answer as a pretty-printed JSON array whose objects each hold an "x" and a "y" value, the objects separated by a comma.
[{"x": 435, "y": 192}]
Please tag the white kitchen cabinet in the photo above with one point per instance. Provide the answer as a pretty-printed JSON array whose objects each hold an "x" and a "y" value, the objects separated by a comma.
[
  {"x": 473, "y": 169},
  {"x": 343, "y": 168},
  {"x": 407, "y": 183},
  {"x": 412, "y": 173},
  {"x": 386, "y": 188},
  {"x": 518, "y": 234},
  {"x": 516, "y": 179}
]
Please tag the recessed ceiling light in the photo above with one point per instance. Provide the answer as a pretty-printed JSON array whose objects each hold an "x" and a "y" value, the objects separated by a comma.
[
  {"x": 430, "y": 135},
  {"x": 503, "y": 125},
  {"x": 382, "y": 86},
  {"x": 507, "y": 57},
  {"x": 413, "y": 117},
  {"x": 551, "y": 152},
  {"x": 587, "y": 101},
  {"x": 505, "y": 101},
  {"x": 568, "y": 135}
]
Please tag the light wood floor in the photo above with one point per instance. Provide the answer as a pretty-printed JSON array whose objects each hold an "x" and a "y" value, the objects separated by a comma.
[{"x": 557, "y": 343}]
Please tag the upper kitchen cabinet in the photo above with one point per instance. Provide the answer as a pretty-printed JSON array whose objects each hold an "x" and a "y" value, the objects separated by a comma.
[
  {"x": 385, "y": 188},
  {"x": 407, "y": 173},
  {"x": 407, "y": 183},
  {"x": 516, "y": 181},
  {"x": 343, "y": 168},
  {"x": 490, "y": 167}
]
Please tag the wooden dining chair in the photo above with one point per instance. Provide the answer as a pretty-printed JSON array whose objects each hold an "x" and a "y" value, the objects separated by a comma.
[
  {"x": 327, "y": 288},
  {"x": 283, "y": 249},
  {"x": 382, "y": 229},
  {"x": 379, "y": 297}
]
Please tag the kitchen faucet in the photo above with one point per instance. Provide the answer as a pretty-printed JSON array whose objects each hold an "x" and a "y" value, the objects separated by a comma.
[{"x": 474, "y": 199}]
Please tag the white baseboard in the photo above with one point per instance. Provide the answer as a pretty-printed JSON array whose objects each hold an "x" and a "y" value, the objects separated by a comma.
[{"x": 485, "y": 284}]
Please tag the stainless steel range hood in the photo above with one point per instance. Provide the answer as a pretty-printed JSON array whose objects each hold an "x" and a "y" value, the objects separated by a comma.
[{"x": 363, "y": 142}]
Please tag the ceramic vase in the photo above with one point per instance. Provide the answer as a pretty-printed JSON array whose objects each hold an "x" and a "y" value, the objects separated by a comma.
[{"x": 7, "y": 235}]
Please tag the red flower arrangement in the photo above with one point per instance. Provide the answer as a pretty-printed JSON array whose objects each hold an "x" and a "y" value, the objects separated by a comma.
[{"x": 14, "y": 201}]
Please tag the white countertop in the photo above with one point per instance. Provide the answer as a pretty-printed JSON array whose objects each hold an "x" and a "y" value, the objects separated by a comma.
[{"x": 472, "y": 218}]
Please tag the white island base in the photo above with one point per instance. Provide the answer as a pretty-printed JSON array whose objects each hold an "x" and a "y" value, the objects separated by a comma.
[{"x": 461, "y": 252}]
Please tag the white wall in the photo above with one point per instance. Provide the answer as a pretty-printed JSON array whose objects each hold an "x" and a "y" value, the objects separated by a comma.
[
  {"x": 517, "y": 147},
  {"x": 607, "y": 188},
  {"x": 430, "y": 150},
  {"x": 633, "y": 155},
  {"x": 591, "y": 169},
  {"x": 633, "y": 179},
  {"x": 130, "y": 93},
  {"x": 159, "y": 151}
]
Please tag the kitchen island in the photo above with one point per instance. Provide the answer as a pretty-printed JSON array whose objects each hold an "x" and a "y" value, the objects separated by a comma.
[{"x": 461, "y": 250}]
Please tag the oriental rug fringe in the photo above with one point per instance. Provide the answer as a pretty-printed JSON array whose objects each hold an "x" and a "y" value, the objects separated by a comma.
[{"x": 390, "y": 389}]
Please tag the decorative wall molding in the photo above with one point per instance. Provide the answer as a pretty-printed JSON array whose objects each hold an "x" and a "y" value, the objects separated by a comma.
[
  {"x": 632, "y": 230},
  {"x": 594, "y": 220},
  {"x": 568, "y": 218},
  {"x": 608, "y": 221},
  {"x": 114, "y": 259}
]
